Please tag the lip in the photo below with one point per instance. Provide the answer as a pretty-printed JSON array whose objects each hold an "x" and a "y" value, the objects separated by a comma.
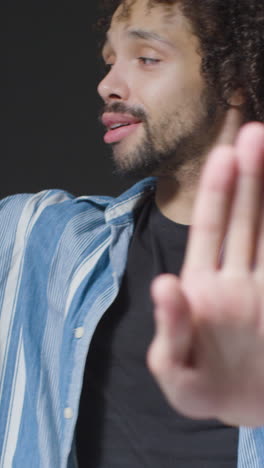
[
  {"x": 116, "y": 135},
  {"x": 112, "y": 118}
]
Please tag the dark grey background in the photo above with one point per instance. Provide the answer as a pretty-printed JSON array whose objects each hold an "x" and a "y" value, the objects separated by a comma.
[{"x": 51, "y": 137}]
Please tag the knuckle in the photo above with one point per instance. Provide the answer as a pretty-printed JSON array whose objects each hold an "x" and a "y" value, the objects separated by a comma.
[{"x": 157, "y": 361}]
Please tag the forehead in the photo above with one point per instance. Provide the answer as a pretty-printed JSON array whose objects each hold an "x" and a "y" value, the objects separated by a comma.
[
  {"x": 147, "y": 14},
  {"x": 128, "y": 8}
]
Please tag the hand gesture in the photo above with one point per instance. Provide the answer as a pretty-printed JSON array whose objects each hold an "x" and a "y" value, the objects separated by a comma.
[{"x": 208, "y": 352}]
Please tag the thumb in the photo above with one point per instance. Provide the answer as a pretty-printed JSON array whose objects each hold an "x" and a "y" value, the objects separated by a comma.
[{"x": 172, "y": 342}]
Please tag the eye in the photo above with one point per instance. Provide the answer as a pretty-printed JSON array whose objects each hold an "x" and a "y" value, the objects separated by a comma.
[
  {"x": 107, "y": 67},
  {"x": 148, "y": 61},
  {"x": 106, "y": 63}
]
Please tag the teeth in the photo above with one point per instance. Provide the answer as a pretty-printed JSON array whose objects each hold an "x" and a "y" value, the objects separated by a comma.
[{"x": 113, "y": 127}]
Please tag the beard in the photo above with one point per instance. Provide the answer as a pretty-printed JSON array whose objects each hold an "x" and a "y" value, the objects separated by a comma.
[{"x": 170, "y": 144}]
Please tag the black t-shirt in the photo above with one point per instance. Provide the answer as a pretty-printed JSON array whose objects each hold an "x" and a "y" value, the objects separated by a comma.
[{"x": 124, "y": 420}]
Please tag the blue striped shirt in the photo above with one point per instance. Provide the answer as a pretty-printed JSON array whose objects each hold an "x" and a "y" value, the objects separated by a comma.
[{"x": 61, "y": 263}]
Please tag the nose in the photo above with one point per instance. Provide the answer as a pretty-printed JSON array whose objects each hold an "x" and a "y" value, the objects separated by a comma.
[{"x": 114, "y": 85}]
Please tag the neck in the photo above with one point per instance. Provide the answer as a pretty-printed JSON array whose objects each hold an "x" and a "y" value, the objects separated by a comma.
[{"x": 175, "y": 195}]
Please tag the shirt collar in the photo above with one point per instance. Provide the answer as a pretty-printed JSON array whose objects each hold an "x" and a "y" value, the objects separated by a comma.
[{"x": 120, "y": 210}]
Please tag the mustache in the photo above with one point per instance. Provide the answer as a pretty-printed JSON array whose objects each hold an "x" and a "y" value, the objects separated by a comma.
[{"x": 121, "y": 108}]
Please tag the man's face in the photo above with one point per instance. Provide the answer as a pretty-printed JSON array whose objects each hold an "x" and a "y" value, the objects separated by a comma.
[{"x": 155, "y": 90}]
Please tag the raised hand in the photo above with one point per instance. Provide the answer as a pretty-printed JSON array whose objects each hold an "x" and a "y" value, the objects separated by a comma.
[{"x": 208, "y": 352}]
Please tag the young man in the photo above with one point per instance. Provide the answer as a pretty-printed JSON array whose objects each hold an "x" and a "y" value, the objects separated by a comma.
[{"x": 76, "y": 272}]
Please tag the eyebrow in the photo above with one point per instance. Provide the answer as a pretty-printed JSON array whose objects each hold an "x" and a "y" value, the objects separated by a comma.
[
  {"x": 142, "y": 34},
  {"x": 149, "y": 36}
]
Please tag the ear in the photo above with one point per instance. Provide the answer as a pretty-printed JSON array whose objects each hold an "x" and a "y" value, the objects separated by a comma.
[{"x": 237, "y": 99}]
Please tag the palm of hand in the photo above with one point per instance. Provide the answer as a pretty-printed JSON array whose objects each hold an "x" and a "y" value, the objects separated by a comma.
[
  {"x": 208, "y": 353},
  {"x": 228, "y": 345}
]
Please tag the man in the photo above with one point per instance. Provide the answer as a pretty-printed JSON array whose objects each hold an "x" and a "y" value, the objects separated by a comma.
[{"x": 75, "y": 272}]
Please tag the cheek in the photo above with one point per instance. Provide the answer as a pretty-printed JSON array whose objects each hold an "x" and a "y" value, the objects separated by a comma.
[{"x": 170, "y": 90}]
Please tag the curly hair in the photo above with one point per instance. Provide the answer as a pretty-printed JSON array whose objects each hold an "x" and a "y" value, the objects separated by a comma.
[{"x": 231, "y": 36}]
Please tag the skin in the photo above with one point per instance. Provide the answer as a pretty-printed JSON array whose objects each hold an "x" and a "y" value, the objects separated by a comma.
[
  {"x": 208, "y": 351},
  {"x": 207, "y": 354},
  {"x": 182, "y": 119}
]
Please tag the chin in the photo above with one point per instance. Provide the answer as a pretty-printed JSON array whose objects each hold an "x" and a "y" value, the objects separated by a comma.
[{"x": 134, "y": 170}]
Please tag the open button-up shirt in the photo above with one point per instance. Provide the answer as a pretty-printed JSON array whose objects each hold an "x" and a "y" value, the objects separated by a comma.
[{"x": 61, "y": 263}]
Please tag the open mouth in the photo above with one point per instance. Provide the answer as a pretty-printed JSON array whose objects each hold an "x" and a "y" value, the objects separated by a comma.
[
  {"x": 113, "y": 127},
  {"x": 119, "y": 126},
  {"x": 118, "y": 132}
]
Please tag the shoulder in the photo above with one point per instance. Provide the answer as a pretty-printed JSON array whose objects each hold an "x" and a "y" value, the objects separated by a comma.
[
  {"x": 39, "y": 221},
  {"x": 46, "y": 217},
  {"x": 57, "y": 205}
]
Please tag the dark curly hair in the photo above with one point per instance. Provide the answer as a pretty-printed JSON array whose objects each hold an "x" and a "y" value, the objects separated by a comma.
[{"x": 231, "y": 35}]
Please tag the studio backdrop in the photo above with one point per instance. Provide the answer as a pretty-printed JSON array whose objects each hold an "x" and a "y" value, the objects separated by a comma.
[{"x": 51, "y": 136}]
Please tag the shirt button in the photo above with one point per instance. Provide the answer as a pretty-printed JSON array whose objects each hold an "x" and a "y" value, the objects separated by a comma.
[
  {"x": 68, "y": 413},
  {"x": 79, "y": 332}
]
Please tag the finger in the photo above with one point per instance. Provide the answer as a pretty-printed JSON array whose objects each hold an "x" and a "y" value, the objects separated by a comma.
[
  {"x": 185, "y": 387},
  {"x": 171, "y": 344},
  {"x": 259, "y": 263},
  {"x": 211, "y": 211},
  {"x": 243, "y": 228}
]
